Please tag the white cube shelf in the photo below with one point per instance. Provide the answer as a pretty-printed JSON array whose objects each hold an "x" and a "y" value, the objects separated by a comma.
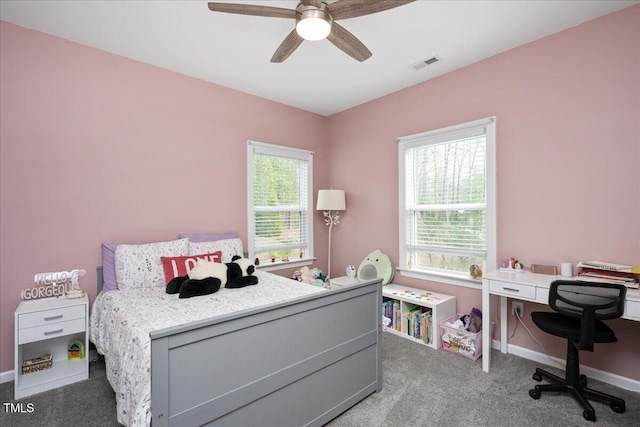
[{"x": 410, "y": 300}]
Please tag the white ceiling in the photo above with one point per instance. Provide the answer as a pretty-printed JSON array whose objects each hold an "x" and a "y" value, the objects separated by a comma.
[{"x": 234, "y": 50}]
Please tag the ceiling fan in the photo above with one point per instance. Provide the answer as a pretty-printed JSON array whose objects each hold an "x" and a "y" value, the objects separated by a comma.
[{"x": 315, "y": 20}]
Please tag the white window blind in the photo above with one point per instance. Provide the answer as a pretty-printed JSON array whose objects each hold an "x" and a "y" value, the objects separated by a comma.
[
  {"x": 280, "y": 188},
  {"x": 447, "y": 203}
]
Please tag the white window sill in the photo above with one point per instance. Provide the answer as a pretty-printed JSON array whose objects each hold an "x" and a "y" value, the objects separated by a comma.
[
  {"x": 451, "y": 279},
  {"x": 280, "y": 265}
]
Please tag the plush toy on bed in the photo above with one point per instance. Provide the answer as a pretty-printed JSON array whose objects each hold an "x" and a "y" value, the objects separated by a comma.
[{"x": 208, "y": 277}]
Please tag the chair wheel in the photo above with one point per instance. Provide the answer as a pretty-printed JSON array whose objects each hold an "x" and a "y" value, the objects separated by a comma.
[
  {"x": 537, "y": 377},
  {"x": 534, "y": 393},
  {"x": 589, "y": 416},
  {"x": 583, "y": 381},
  {"x": 617, "y": 408}
]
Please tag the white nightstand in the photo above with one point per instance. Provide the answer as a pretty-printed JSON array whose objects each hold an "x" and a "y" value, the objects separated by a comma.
[
  {"x": 343, "y": 281},
  {"x": 48, "y": 326}
]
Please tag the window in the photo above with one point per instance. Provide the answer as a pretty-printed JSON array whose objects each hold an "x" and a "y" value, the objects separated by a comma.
[
  {"x": 448, "y": 202},
  {"x": 280, "y": 188}
]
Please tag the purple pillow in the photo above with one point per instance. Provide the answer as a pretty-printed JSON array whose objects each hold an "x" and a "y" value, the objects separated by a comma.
[
  {"x": 109, "y": 267},
  {"x": 207, "y": 237}
]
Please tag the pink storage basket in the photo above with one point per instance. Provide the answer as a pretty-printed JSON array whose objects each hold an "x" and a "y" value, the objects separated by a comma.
[{"x": 461, "y": 342}]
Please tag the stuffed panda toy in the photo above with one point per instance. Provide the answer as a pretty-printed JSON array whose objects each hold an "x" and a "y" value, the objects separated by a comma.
[
  {"x": 238, "y": 269},
  {"x": 208, "y": 277}
]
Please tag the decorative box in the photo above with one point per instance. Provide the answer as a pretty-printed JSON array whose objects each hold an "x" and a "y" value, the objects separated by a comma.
[{"x": 37, "y": 364}]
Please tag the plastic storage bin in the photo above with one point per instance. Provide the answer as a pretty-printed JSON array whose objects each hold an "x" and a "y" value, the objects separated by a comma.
[{"x": 459, "y": 341}]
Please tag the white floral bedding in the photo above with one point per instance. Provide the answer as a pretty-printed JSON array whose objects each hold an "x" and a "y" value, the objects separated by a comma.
[{"x": 121, "y": 321}]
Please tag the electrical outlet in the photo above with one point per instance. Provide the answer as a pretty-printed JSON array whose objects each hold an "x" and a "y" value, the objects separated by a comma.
[{"x": 517, "y": 308}]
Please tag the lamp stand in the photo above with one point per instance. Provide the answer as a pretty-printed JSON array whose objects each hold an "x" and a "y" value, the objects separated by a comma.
[{"x": 330, "y": 218}]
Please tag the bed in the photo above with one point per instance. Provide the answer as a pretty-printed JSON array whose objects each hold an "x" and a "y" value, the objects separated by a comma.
[{"x": 280, "y": 353}]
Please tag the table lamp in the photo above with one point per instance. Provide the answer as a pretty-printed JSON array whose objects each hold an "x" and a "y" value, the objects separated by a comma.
[{"x": 331, "y": 201}]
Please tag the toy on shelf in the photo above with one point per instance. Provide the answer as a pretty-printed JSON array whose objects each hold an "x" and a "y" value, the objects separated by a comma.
[{"x": 75, "y": 350}]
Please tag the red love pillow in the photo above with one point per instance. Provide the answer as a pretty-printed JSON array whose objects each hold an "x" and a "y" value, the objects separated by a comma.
[{"x": 181, "y": 265}]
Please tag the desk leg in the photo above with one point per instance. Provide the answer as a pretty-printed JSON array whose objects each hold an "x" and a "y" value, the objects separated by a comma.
[
  {"x": 503, "y": 324},
  {"x": 486, "y": 326}
]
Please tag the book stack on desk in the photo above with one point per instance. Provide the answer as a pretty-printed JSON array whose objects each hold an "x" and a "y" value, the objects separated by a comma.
[{"x": 605, "y": 272}]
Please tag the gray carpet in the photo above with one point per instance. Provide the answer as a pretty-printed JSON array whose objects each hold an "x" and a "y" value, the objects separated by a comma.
[
  {"x": 427, "y": 387},
  {"x": 422, "y": 387}
]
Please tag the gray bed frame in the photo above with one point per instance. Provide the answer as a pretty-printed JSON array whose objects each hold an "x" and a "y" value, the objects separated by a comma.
[{"x": 298, "y": 363}]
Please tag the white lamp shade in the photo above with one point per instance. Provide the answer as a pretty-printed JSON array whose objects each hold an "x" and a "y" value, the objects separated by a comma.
[{"x": 331, "y": 200}]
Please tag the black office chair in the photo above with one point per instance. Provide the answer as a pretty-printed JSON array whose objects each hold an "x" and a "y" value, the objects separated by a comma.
[{"x": 580, "y": 308}]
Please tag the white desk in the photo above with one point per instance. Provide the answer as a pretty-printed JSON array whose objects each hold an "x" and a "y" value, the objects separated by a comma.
[{"x": 527, "y": 287}]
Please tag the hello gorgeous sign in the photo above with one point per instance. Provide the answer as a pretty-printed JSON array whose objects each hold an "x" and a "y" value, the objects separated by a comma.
[{"x": 49, "y": 285}]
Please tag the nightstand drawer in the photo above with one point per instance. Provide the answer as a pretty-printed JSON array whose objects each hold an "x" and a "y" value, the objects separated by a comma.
[
  {"x": 53, "y": 330},
  {"x": 46, "y": 317}
]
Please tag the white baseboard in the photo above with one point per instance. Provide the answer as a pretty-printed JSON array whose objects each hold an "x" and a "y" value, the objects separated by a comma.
[
  {"x": 7, "y": 376},
  {"x": 596, "y": 374}
]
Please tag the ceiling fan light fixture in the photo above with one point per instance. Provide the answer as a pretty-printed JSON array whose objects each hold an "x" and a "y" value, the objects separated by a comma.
[{"x": 313, "y": 23}]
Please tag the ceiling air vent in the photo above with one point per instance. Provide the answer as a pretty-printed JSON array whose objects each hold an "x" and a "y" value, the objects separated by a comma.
[{"x": 425, "y": 62}]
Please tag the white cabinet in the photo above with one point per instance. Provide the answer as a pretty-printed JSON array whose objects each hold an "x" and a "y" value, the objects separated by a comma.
[
  {"x": 631, "y": 307},
  {"x": 48, "y": 326},
  {"x": 410, "y": 301},
  {"x": 343, "y": 282}
]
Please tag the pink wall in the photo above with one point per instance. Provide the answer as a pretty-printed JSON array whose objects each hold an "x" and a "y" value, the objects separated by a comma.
[
  {"x": 568, "y": 144},
  {"x": 96, "y": 147}
]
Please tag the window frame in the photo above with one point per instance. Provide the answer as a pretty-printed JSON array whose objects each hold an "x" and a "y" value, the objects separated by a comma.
[
  {"x": 435, "y": 136},
  {"x": 256, "y": 147}
]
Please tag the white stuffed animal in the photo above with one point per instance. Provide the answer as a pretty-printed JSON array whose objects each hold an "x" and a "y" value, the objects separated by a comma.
[{"x": 204, "y": 269}]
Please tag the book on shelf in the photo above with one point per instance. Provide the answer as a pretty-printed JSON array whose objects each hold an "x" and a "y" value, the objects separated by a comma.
[
  {"x": 396, "y": 316},
  {"x": 427, "y": 335},
  {"x": 418, "y": 319},
  {"x": 391, "y": 310},
  {"x": 411, "y": 320}
]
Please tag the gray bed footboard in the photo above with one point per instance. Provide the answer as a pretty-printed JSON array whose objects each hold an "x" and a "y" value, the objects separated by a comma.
[{"x": 300, "y": 363}]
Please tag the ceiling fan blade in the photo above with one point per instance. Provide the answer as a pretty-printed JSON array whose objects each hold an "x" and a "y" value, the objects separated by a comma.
[
  {"x": 343, "y": 9},
  {"x": 250, "y": 9},
  {"x": 286, "y": 48},
  {"x": 348, "y": 43}
]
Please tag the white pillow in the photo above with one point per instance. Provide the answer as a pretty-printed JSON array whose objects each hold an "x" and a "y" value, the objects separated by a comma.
[
  {"x": 140, "y": 266},
  {"x": 229, "y": 248}
]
